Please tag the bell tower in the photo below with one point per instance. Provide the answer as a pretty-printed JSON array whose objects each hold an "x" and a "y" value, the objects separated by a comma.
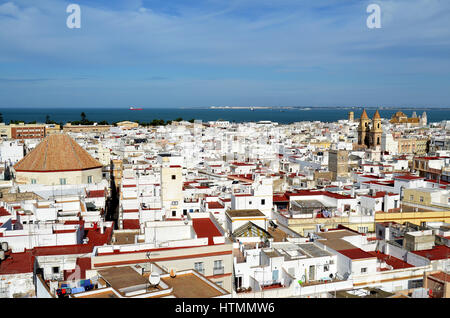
[
  {"x": 364, "y": 129},
  {"x": 376, "y": 130}
]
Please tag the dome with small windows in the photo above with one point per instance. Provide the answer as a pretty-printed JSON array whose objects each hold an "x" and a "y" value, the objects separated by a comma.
[{"x": 58, "y": 154}]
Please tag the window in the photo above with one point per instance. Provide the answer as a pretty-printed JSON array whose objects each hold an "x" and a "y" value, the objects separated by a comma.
[
  {"x": 218, "y": 268},
  {"x": 174, "y": 177},
  {"x": 55, "y": 270},
  {"x": 174, "y": 213},
  {"x": 411, "y": 197},
  {"x": 263, "y": 201},
  {"x": 363, "y": 229},
  {"x": 89, "y": 179},
  {"x": 33, "y": 181},
  {"x": 174, "y": 202},
  {"x": 363, "y": 270},
  {"x": 199, "y": 267},
  {"x": 184, "y": 211},
  {"x": 62, "y": 180},
  {"x": 326, "y": 268},
  {"x": 218, "y": 264},
  {"x": 421, "y": 199},
  {"x": 249, "y": 202}
]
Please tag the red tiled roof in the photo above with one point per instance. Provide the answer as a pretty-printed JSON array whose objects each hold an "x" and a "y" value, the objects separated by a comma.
[
  {"x": 379, "y": 194},
  {"x": 204, "y": 227},
  {"x": 57, "y": 152},
  {"x": 438, "y": 252},
  {"x": 440, "y": 181},
  {"x": 431, "y": 158},
  {"x": 63, "y": 249},
  {"x": 4, "y": 212},
  {"x": 280, "y": 198},
  {"x": 408, "y": 177},
  {"x": 242, "y": 164},
  {"x": 17, "y": 263},
  {"x": 215, "y": 205},
  {"x": 64, "y": 231},
  {"x": 130, "y": 210},
  {"x": 395, "y": 262},
  {"x": 441, "y": 276},
  {"x": 131, "y": 225},
  {"x": 84, "y": 263},
  {"x": 356, "y": 253},
  {"x": 96, "y": 194}
]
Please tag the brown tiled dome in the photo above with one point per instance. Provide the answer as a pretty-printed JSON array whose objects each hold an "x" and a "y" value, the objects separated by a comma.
[{"x": 57, "y": 152}]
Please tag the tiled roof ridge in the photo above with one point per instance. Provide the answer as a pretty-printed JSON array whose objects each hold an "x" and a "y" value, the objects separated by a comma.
[{"x": 75, "y": 153}]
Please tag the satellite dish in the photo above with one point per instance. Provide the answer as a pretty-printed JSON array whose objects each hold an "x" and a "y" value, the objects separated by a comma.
[{"x": 154, "y": 279}]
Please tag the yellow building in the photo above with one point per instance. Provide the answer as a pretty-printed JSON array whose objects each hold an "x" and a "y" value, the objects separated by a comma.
[
  {"x": 51, "y": 129},
  {"x": 127, "y": 125},
  {"x": 413, "y": 217},
  {"x": 86, "y": 128},
  {"x": 117, "y": 171},
  {"x": 5, "y": 131},
  {"x": 424, "y": 198},
  {"x": 22, "y": 131},
  {"x": 323, "y": 145},
  {"x": 412, "y": 146},
  {"x": 399, "y": 118}
]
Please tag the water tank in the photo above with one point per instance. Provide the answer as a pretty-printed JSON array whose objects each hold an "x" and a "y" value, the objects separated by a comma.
[
  {"x": 2, "y": 255},
  {"x": 154, "y": 278},
  {"x": 5, "y": 246}
]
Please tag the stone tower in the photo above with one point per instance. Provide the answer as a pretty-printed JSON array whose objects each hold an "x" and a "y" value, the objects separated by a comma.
[
  {"x": 376, "y": 130},
  {"x": 423, "y": 119},
  {"x": 364, "y": 130},
  {"x": 338, "y": 163},
  {"x": 351, "y": 116}
]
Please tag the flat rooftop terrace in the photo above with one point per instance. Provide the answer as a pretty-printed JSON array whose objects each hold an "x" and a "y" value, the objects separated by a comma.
[
  {"x": 191, "y": 286},
  {"x": 105, "y": 294},
  {"x": 332, "y": 235},
  {"x": 245, "y": 213},
  {"x": 121, "y": 278}
]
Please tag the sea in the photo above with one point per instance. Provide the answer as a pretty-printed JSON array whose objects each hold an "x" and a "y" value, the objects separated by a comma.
[{"x": 281, "y": 116}]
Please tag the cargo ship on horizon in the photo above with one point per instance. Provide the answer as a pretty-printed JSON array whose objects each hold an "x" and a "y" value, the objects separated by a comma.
[{"x": 135, "y": 108}]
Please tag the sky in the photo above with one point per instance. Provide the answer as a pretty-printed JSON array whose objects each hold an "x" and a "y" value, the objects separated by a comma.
[{"x": 199, "y": 53}]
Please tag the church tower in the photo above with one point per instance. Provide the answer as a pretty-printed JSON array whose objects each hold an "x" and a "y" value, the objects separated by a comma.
[
  {"x": 376, "y": 131},
  {"x": 364, "y": 130},
  {"x": 423, "y": 119}
]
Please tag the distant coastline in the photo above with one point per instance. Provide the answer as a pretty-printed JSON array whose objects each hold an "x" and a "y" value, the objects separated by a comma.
[{"x": 279, "y": 114}]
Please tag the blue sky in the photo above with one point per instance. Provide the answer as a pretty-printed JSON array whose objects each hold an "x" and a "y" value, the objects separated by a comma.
[{"x": 173, "y": 53}]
